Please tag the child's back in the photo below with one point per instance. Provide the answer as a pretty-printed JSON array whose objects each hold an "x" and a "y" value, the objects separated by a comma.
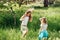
[
  {"x": 43, "y": 26},
  {"x": 43, "y": 29}
]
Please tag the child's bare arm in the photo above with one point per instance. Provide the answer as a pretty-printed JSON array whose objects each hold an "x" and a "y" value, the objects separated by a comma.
[
  {"x": 40, "y": 29},
  {"x": 22, "y": 17}
]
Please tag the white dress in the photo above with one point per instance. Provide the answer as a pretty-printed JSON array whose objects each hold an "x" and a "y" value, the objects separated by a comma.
[{"x": 24, "y": 24}]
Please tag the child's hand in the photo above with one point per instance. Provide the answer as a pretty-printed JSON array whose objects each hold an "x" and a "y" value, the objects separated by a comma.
[
  {"x": 21, "y": 19},
  {"x": 31, "y": 20}
]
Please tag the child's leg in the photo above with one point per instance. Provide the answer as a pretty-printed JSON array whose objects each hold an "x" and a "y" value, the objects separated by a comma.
[
  {"x": 24, "y": 33},
  {"x": 25, "y": 30},
  {"x": 41, "y": 36},
  {"x": 22, "y": 30}
]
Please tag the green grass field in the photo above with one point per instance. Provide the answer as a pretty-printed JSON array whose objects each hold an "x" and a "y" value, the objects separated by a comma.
[
  {"x": 53, "y": 17},
  {"x": 14, "y": 34}
]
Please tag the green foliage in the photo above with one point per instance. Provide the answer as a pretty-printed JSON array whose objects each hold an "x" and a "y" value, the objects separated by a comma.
[
  {"x": 52, "y": 15},
  {"x": 11, "y": 33},
  {"x": 14, "y": 34}
]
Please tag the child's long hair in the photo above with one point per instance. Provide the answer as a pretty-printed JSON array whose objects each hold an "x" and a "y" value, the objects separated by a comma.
[{"x": 29, "y": 15}]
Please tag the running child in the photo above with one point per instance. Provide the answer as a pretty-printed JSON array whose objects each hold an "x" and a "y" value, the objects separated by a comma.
[
  {"x": 43, "y": 28},
  {"x": 25, "y": 18}
]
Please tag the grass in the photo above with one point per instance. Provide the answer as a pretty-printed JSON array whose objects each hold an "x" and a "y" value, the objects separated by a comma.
[
  {"x": 53, "y": 17},
  {"x": 14, "y": 34},
  {"x": 9, "y": 34}
]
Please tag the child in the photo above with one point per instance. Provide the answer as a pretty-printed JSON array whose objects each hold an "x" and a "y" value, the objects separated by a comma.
[
  {"x": 43, "y": 29},
  {"x": 25, "y": 18}
]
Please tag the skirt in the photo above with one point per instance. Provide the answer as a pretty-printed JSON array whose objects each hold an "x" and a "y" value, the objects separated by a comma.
[
  {"x": 43, "y": 34},
  {"x": 24, "y": 28}
]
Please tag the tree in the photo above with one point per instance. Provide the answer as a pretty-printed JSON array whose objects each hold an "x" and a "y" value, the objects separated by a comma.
[
  {"x": 45, "y": 3},
  {"x": 51, "y": 2},
  {"x": 20, "y": 2},
  {"x": 34, "y": 0},
  {"x": 14, "y": 15}
]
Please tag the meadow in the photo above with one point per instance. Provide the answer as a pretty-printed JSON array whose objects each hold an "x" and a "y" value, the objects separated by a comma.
[{"x": 10, "y": 32}]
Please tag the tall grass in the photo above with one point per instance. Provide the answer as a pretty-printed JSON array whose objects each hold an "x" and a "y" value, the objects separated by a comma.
[
  {"x": 14, "y": 34},
  {"x": 11, "y": 32}
]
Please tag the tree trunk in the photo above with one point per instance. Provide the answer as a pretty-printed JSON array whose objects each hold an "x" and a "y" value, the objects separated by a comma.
[
  {"x": 26, "y": 2},
  {"x": 45, "y": 3},
  {"x": 14, "y": 20},
  {"x": 20, "y": 2},
  {"x": 34, "y": 0},
  {"x": 14, "y": 16}
]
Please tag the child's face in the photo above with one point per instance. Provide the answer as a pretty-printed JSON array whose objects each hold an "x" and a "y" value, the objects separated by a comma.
[{"x": 28, "y": 14}]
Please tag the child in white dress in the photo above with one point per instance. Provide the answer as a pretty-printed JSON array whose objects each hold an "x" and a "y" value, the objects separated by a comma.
[{"x": 25, "y": 18}]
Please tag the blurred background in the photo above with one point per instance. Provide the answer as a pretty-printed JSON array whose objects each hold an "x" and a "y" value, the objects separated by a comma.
[{"x": 12, "y": 10}]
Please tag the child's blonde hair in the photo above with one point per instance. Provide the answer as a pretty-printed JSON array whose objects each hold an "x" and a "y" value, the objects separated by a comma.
[{"x": 44, "y": 19}]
